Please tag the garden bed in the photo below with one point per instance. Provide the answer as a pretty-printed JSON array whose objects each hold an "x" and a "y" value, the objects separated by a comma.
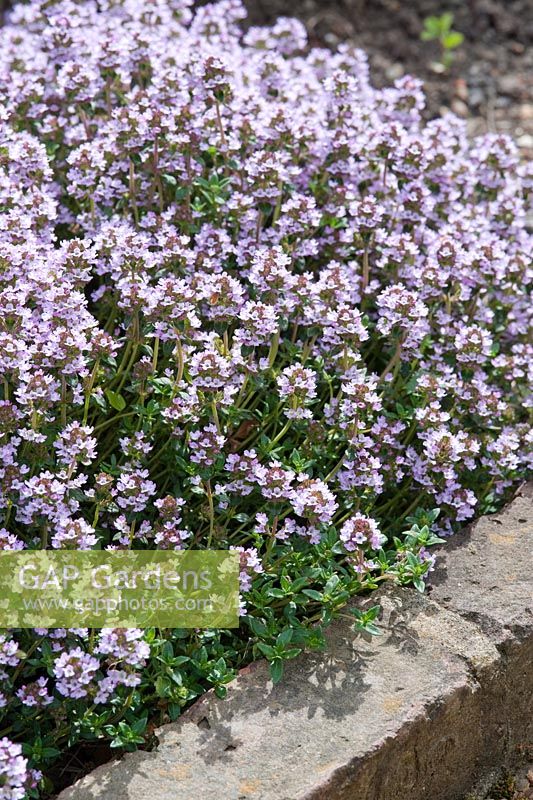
[
  {"x": 443, "y": 697},
  {"x": 251, "y": 302}
]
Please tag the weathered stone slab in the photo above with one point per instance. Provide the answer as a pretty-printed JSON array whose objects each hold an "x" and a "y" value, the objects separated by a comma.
[
  {"x": 485, "y": 572},
  {"x": 417, "y": 713}
]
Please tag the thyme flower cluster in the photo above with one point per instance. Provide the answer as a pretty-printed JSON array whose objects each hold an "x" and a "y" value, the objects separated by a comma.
[{"x": 246, "y": 301}]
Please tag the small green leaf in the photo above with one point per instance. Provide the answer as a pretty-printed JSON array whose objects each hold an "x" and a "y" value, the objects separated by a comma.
[
  {"x": 274, "y": 592},
  {"x": 372, "y": 629},
  {"x": 445, "y": 21},
  {"x": 266, "y": 649},
  {"x": 313, "y": 594},
  {"x": 276, "y": 670},
  {"x": 432, "y": 28},
  {"x": 139, "y": 725},
  {"x": 372, "y": 613},
  {"x": 331, "y": 584},
  {"x": 298, "y": 584},
  {"x": 452, "y": 40},
  {"x": 292, "y": 652},
  {"x": 284, "y": 637},
  {"x": 162, "y": 686},
  {"x": 258, "y": 627},
  {"x": 50, "y": 752},
  {"x": 115, "y": 400}
]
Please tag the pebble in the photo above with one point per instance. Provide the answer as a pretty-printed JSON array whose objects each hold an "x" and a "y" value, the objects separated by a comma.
[
  {"x": 510, "y": 84},
  {"x": 459, "y": 108},
  {"x": 395, "y": 71},
  {"x": 502, "y": 102},
  {"x": 461, "y": 89},
  {"x": 437, "y": 67},
  {"x": 476, "y": 97},
  {"x": 526, "y": 140},
  {"x": 522, "y": 784}
]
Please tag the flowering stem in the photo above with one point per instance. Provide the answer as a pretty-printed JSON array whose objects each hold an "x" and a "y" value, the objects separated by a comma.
[
  {"x": 215, "y": 415},
  {"x": 128, "y": 369},
  {"x": 44, "y": 536},
  {"x": 63, "y": 400},
  {"x": 399, "y": 494},
  {"x": 416, "y": 502},
  {"x": 394, "y": 362},
  {"x": 366, "y": 271},
  {"x": 209, "y": 494},
  {"x": 181, "y": 365},
  {"x": 277, "y": 209},
  {"x": 88, "y": 392},
  {"x": 273, "y": 350},
  {"x": 281, "y": 434},
  {"x": 113, "y": 421},
  {"x": 335, "y": 469},
  {"x": 155, "y": 353},
  {"x": 222, "y": 137},
  {"x": 133, "y": 193}
]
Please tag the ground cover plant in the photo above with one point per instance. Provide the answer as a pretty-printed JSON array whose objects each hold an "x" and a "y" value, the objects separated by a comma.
[{"x": 246, "y": 301}]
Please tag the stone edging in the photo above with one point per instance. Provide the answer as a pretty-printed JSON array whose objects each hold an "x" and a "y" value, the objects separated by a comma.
[{"x": 419, "y": 713}]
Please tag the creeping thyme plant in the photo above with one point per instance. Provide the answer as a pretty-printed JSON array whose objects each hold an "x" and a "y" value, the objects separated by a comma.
[{"x": 246, "y": 301}]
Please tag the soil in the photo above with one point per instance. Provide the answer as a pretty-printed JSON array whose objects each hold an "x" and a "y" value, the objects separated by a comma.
[
  {"x": 490, "y": 82},
  {"x": 514, "y": 785},
  {"x": 78, "y": 761}
]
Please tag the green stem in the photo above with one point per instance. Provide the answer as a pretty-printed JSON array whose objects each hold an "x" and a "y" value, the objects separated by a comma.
[
  {"x": 88, "y": 392},
  {"x": 274, "y": 346},
  {"x": 113, "y": 420},
  {"x": 215, "y": 415},
  {"x": 209, "y": 494},
  {"x": 156, "y": 353},
  {"x": 281, "y": 434}
]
